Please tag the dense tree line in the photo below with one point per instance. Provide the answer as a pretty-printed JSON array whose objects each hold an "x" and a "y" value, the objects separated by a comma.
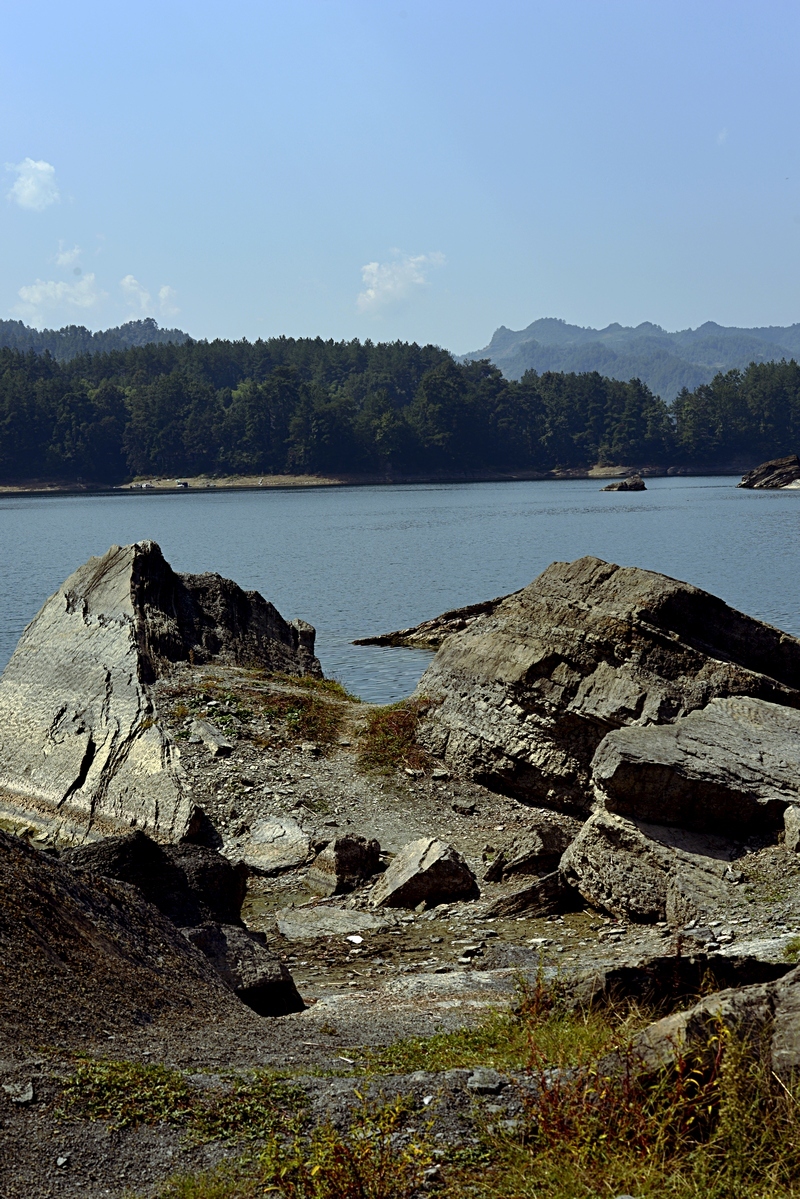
[{"x": 287, "y": 405}]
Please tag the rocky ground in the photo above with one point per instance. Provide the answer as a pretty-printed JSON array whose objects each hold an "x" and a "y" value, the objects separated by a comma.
[{"x": 368, "y": 978}]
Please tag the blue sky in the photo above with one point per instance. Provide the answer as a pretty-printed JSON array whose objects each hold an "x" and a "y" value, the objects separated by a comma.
[{"x": 426, "y": 171}]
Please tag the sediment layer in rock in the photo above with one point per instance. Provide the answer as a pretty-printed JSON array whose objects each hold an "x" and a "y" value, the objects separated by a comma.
[
  {"x": 525, "y": 694},
  {"x": 731, "y": 766}
]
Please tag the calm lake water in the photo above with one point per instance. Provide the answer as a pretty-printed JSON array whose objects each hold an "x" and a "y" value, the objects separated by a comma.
[{"x": 362, "y": 560}]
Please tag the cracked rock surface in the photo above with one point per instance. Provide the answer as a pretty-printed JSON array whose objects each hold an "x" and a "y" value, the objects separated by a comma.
[{"x": 83, "y": 750}]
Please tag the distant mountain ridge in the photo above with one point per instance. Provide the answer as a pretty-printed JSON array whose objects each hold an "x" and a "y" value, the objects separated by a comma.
[
  {"x": 666, "y": 362},
  {"x": 73, "y": 340}
]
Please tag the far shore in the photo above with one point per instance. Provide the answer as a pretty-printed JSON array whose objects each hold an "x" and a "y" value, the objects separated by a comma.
[{"x": 206, "y": 483}]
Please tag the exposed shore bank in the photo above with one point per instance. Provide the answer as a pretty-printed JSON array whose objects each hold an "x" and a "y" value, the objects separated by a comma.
[{"x": 206, "y": 483}]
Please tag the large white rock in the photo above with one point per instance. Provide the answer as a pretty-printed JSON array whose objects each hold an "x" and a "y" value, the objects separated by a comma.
[
  {"x": 80, "y": 744},
  {"x": 82, "y": 749}
]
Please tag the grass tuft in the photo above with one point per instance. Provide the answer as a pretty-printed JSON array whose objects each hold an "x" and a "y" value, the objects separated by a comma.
[
  {"x": 389, "y": 741},
  {"x": 373, "y": 1159}
]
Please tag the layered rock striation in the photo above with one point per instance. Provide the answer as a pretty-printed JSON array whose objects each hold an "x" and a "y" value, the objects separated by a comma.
[
  {"x": 83, "y": 751},
  {"x": 525, "y": 694}
]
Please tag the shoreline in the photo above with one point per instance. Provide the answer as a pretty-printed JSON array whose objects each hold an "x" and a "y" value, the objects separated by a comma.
[{"x": 207, "y": 483}]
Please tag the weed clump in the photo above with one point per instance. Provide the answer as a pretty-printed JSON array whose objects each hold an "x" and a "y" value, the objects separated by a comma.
[
  {"x": 374, "y": 1159},
  {"x": 389, "y": 741},
  {"x": 128, "y": 1094}
]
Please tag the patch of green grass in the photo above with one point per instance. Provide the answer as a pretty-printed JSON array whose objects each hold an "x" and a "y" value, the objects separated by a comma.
[
  {"x": 371, "y": 1160},
  {"x": 127, "y": 1094},
  {"x": 389, "y": 741},
  {"x": 504, "y": 1041},
  {"x": 791, "y": 951}
]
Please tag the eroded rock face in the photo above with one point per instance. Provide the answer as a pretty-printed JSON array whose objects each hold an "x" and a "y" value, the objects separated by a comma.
[
  {"x": 83, "y": 751},
  {"x": 425, "y": 871},
  {"x": 733, "y": 765},
  {"x": 778, "y": 472},
  {"x": 649, "y": 872},
  {"x": 527, "y": 693}
]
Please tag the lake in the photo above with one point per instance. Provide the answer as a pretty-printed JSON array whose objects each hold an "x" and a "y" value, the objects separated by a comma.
[{"x": 355, "y": 561}]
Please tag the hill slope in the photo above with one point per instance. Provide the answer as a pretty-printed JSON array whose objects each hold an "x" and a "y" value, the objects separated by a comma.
[{"x": 666, "y": 362}]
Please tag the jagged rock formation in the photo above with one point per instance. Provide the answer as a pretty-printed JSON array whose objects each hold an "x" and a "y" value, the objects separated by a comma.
[
  {"x": 82, "y": 956},
  {"x": 728, "y": 767},
  {"x": 83, "y": 751},
  {"x": 537, "y": 850},
  {"x": 525, "y": 694},
  {"x": 777, "y": 473},
  {"x": 634, "y": 483}
]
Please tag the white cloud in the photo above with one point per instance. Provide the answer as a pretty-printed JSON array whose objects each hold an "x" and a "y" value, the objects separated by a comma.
[
  {"x": 67, "y": 257},
  {"x": 166, "y": 300},
  {"x": 35, "y": 187},
  {"x": 388, "y": 283},
  {"x": 136, "y": 295},
  {"x": 48, "y": 294},
  {"x": 722, "y": 137}
]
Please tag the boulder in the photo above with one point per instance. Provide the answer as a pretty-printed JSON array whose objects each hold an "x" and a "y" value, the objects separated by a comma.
[
  {"x": 545, "y": 897},
  {"x": 213, "y": 738},
  {"x": 343, "y": 865},
  {"x": 647, "y": 872},
  {"x": 188, "y": 883},
  {"x": 729, "y": 767},
  {"x": 272, "y": 845},
  {"x": 425, "y": 871},
  {"x": 308, "y": 923},
  {"x": 84, "y": 752},
  {"x": 791, "y": 826},
  {"x": 778, "y": 472},
  {"x": 248, "y": 967},
  {"x": 524, "y": 695},
  {"x": 633, "y": 483},
  {"x": 537, "y": 850},
  {"x": 84, "y": 955},
  {"x": 766, "y": 1015}
]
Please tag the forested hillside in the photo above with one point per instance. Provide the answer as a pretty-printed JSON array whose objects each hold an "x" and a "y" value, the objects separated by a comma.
[
  {"x": 666, "y": 362},
  {"x": 72, "y": 340},
  {"x": 311, "y": 406}
]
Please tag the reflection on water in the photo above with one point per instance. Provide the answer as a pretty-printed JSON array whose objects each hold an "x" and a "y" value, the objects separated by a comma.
[{"x": 362, "y": 560}]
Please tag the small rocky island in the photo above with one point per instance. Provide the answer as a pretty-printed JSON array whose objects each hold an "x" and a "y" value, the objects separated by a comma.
[
  {"x": 214, "y": 861},
  {"x": 774, "y": 475}
]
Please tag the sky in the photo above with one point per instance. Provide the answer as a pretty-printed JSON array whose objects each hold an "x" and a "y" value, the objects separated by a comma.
[{"x": 392, "y": 169}]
